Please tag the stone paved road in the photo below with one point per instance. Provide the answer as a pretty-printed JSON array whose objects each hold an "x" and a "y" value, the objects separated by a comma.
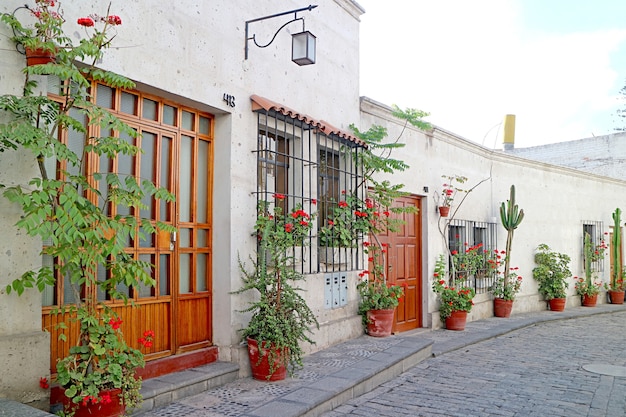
[{"x": 533, "y": 372}]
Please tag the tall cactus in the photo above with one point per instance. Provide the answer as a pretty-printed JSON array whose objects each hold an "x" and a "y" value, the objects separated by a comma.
[
  {"x": 615, "y": 248},
  {"x": 511, "y": 217}
]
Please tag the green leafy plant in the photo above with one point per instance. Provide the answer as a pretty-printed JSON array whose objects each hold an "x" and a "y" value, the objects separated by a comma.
[
  {"x": 590, "y": 285},
  {"x": 68, "y": 210},
  {"x": 511, "y": 217},
  {"x": 551, "y": 272},
  {"x": 281, "y": 318},
  {"x": 501, "y": 288},
  {"x": 374, "y": 292},
  {"x": 474, "y": 261},
  {"x": 452, "y": 297},
  {"x": 617, "y": 273}
]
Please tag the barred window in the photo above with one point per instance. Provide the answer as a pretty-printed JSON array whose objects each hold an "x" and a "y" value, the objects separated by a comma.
[
  {"x": 313, "y": 170},
  {"x": 595, "y": 229},
  {"x": 473, "y": 244}
]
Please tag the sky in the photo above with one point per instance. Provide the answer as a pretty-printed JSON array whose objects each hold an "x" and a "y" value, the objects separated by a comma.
[{"x": 557, "y": 65}]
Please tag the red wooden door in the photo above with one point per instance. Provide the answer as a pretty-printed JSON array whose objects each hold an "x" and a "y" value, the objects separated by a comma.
[{"x": 404, "y": 265}]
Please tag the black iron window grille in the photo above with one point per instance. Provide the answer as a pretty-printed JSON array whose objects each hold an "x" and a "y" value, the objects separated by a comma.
[
  {"x": 473, "y": 245},
  {"x": 595, "y": 229},
  {"x": 314, "y": 171}
]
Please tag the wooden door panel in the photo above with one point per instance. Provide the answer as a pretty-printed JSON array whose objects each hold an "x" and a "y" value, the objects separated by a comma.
[{"x": 193, "y": 323}]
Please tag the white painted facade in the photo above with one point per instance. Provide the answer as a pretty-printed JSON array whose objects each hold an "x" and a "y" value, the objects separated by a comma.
[{"x": 192, "y": 53}]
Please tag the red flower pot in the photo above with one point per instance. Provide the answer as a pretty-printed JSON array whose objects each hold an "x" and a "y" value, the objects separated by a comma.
[
  {"x": 616, "y": 297},
  {"x": 502, "y": 308},
  {"x": 557, "y": 304},
  {"x": 38, "y": 56},
  {"x": 260, "y": 365},
  {"x": 444, "y": 211},
  {"x": 457, "y": 320},
  {"x": 111, "y": 407},
  {"x": 590, "y": 300},
  {"x": 380, "y": 322}
]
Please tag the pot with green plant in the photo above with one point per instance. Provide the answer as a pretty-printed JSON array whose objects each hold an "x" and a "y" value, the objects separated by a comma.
[
  {"x": 588, "y": 287},
  {"x": 67, "y": 210},
  {"x": 281, "y": 319},
  {"x": 504, "y": 291},
  {"x": 455, "y": 299},
  {"x": 449, "y": 192},
  {"x": 618, "y": 273},
  {"x": 551, "y": 273}
]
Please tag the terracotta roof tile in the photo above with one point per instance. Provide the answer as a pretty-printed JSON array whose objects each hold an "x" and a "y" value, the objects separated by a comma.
[{"x": 262, "y": 103}]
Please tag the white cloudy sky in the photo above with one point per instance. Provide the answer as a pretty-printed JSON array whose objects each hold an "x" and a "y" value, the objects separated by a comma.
[{"x": 558, "y": 65}]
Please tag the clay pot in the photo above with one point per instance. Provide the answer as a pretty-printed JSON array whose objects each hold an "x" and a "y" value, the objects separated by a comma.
[
  {"x": 616, "y": 297},
  {"x": 444, "y": 211},
  {"x": 380, "y": 322},
  {"x": 113, "y": 408},
  {"x": 260, "y": 365},
  {"x": 38, "y": 56},
  {"x": 590, "y": 300},
  {"x": 457, "y": 320},
  {"x": 502, "y": 308},
  {"x": 557, "y": 304}
]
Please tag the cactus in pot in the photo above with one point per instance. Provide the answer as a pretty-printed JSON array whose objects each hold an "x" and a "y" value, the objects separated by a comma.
[
  {"x": 511, "y": 217},
  {"x": 616, "y": 274}
]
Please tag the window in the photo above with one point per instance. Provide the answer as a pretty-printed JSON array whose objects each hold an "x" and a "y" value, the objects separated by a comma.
[
  {"x": 478, "y": 239},
  {"x": 595, "y": 229},
  {"x": 312, "y": 169}
]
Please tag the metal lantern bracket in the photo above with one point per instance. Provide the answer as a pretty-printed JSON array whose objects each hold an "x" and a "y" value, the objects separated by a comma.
[{"x": 295, "y": 18}]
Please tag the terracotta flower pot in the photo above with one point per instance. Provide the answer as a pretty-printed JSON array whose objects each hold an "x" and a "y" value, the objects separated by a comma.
[
  {"x": 38, "y": 56},
  {"x": 260, "y": 365},
  {"x": 380, "y": 322},
  {"x": 502, "y": 308},
  {"x": 444, "y": 211},
  {"x": 457, "y": 320},
  {"x": 108, "y": 405},
  {"x": 557, "y": 304},
  {"x": 590, "y": 300},
  {"x": 616, "y": 297}
]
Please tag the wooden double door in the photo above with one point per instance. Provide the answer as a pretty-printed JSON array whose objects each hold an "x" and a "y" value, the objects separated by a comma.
[
  {"x": 177, "y": 154},
  {"x": 404, "y": 254}
]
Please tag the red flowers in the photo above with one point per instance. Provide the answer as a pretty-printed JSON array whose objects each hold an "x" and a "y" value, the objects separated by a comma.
[
  {"x": 278, "y": 196},
  {"x": 146, "y": 340},
  {"x": 114, "y": 20},
  {"x": 43, "y": 383},
  {"x": 343, "y": 204},
  {"x": 288, "y": 227},
  {"x": 115, "y": 324},
  {"x": 86, "y": 22},
  {"x": 386, "y": 213}
]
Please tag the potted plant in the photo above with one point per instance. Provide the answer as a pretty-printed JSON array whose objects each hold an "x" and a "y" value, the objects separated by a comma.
[
  {"x": 67, "y": 210},
  {"x": 552, "y": 272},
  {"x": 378, "y": 299},
  {"x": 456, "y": 300},
  {"x": 504, "y": 290},
  {"x": 617, "y": 285},
  {"x": 589, "y": 286},
  {"x": 449, "y": 192},
  {"x": 42, "y": 39},
  {"x": 281, "y": 319}
]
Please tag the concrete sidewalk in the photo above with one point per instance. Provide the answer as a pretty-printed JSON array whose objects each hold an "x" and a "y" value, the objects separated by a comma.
[{"x": 335, "y": 375}]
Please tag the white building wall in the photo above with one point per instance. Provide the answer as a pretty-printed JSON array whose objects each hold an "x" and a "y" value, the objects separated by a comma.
[{"x": 556, "y": 201}]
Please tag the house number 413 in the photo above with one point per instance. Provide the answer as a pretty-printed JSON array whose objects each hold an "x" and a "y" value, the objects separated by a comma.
[{"x": 230, "y": 100}]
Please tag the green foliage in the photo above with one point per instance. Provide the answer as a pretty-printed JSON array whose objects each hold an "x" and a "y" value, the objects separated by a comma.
[
  {"x": 551, "y": 272},
  {"x": 617, "y": 282},
  {"x": 280, "y": 316},
  {"x": 511, "y": 217},
  {"x": 452, "y": 297},
  {"x": 67, "y": 208}
]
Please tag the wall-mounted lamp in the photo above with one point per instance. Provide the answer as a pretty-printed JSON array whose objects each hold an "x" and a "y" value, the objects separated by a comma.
[{"x": 303, "y": 43}]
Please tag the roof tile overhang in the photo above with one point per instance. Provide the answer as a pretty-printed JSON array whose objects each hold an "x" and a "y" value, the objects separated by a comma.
[{"x": 262, "y": 103}]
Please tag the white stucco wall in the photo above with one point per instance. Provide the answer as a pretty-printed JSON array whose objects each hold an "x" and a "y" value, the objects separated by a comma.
[{"x": 555, "y": 200}]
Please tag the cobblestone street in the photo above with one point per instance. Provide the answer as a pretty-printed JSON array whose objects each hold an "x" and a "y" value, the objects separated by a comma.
[{"x": 535, "y": 371}]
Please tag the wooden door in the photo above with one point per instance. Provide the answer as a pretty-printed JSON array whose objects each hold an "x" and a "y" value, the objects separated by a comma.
[
  {"x": 404, "y": 265},
  {"x": 177, "y": 154}
]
